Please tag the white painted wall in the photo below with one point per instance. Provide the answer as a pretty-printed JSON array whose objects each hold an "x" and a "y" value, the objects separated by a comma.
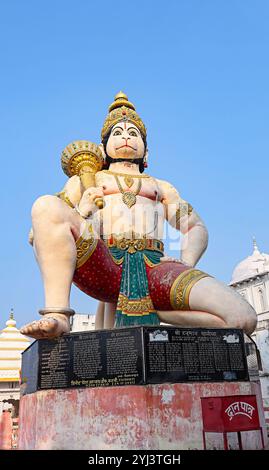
[{"x": 256, "y": 291}]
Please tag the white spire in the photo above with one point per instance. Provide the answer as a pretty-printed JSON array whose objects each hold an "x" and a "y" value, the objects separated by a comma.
[
  {"x": 11, "y": 316},
  {"x": 11, "y": 323},
  {"x": 12, "y": 344},
  {"x": 255, "y": 247}
]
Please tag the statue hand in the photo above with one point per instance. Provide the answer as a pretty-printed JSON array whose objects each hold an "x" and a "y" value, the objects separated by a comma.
[{"x": 87, "y": 204}]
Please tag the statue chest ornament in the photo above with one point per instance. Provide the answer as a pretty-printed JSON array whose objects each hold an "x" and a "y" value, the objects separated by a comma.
[
  {"x": 129, "y": 181},
  {"x": 129, "y": 196},
  {"x": 129, "y": 186}
]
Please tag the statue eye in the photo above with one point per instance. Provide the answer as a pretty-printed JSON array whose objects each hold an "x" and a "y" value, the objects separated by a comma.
[
  {"x": 117, "y": 133},
  {"x": 133, "y": 133}
]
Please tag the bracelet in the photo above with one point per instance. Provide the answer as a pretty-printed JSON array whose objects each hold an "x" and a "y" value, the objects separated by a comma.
[{"x": 80, "y": 213}]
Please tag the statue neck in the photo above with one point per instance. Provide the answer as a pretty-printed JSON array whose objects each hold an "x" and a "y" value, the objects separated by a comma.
[{"x": 125, "y": 167}]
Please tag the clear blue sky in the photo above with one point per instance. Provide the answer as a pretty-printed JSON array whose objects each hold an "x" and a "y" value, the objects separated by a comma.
[{"x": 198, "y": 73}]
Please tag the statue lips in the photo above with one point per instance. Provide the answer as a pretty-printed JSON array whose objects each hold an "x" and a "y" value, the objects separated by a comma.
[{"x": 117, "y": 148}]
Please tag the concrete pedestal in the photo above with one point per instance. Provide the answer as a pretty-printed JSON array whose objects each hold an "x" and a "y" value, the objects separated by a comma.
[
  {"x": 166, "y": 416},
  {"x": 5, "y": 430}
]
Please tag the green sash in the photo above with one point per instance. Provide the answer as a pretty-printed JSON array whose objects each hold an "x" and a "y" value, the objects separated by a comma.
[{"x": 134, "y": 305}]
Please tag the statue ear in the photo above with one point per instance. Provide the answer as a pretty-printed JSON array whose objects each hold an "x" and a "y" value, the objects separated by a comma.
[
  {"x": 101, "y": 147},
  {"x": 145, "y": 158},
  {"x": 106, "y": 163}
]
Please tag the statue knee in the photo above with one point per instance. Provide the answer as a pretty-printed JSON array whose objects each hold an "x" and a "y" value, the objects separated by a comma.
[
  {"x": 250, "y": 319},
  {"x": 46, "y": 207},
  {"x": 244, "y": 317}
]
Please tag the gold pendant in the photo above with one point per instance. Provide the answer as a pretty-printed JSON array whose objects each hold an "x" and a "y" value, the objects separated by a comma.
[
  {"x": 129, "y": 181},
  {"x": 129, "y": 199}
]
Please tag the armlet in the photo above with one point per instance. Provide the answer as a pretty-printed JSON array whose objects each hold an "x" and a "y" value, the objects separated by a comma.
[
  {"x": 63, "y": 196},
  {"x": 183, "y": 209}
]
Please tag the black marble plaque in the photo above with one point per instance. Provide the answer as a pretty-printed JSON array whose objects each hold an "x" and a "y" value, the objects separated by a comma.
[
  {"x": 29, "y": 369},
  {"x": 92, "y": 359},
  {"x": 194, "y": 354},
  {"x": 134, "y": 356},
  {"x": 54, "y": 363}
]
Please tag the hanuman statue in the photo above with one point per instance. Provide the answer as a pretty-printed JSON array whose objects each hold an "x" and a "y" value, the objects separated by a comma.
[{"x": 104, "y": 231}]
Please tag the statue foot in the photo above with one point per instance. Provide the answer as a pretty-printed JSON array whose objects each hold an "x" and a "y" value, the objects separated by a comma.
[{"x": 50, "y": 326}]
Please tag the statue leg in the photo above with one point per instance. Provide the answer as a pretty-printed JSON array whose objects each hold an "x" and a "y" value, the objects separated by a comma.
[
  {"x": 212, "y": 304},
  {"x": 105, "y": 315},
  {"x": 99, "y": 316},
  {"x": 55, "y": 228},
  {"x": 109, "y": 319}
]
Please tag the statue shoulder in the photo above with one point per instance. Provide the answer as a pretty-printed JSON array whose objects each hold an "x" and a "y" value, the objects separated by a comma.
[
  {"x": 170, "y": 193},
  {"x": 101, "y": 177},
  {"x": 100, "y": 173},
  {"x": 73, "y": 186}
]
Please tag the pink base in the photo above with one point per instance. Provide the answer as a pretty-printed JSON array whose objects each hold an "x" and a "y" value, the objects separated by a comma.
[
  {"x": 5, "y": 430},
  {"x": 166, "y": 416}
]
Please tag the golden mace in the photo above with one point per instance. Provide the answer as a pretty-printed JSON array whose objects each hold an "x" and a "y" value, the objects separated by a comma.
[{"x": 84, "y": 159}]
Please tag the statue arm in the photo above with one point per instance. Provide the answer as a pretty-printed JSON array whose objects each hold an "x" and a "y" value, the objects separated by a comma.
[
  {"x": 82, "y": 199},
  {"x": 71, "y": 194},
  {"x": 181, "y": 215},
  {"x": 72, "y": 191}
]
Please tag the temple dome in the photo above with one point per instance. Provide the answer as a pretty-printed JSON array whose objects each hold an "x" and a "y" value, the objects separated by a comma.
[
  {"x": 12, "y": 344},
  {"x": 253, "y": 265}
]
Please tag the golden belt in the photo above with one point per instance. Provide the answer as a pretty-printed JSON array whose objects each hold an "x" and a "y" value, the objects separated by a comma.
[{"x": 134, "y": 244}]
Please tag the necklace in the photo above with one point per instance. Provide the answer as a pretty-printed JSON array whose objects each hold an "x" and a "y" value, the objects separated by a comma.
[
  {"x": 128, "y": 175},
  {"x": 128, "y": 197},
  {"x": 129, "y": 181}
]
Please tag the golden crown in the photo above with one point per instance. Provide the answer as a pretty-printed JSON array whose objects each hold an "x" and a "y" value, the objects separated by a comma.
[{"x": 120, "y": 110}]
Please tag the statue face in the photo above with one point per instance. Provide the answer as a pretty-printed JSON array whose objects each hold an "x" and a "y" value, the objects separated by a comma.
[{"x": 125, "y": 141}]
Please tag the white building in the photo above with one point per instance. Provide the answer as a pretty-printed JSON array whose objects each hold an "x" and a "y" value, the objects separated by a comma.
[
  {"x": 82, "y": 322},
  {"x": 251, "y": 279},
  {"x": 12, "y": 344}
]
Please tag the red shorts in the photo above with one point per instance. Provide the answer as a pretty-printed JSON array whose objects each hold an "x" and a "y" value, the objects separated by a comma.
[{"x": 98, "y": 274}]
